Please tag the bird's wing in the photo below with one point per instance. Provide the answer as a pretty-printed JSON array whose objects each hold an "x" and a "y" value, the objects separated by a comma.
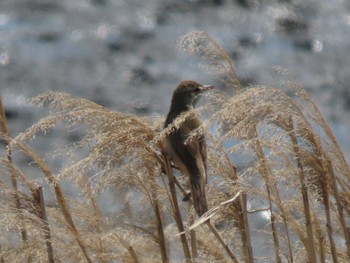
[
  {"x": 203, "y": 153},
  {"x": 189, "y": 151},
  {"x": 192, "y": 157}
]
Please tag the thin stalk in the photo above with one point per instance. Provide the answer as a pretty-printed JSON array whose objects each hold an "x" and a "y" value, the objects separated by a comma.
[
  {"x": 161, "y": 237},
  {"x": 326, "y": 202},
  {"x": 334, "y": 185},
  {"x": 43, "y": 217},
  {"x": 345, "y": 188},
  {"x": 290, "y": 218},
  {"x": 133, "y": 254},
  {"x": 286, "y": 225},
  {"x": 311, "y": 250},
  {"x": 330, "y": 134},
  {"x": 160, "y": 229},
  {"x": 5, "y": 132},
  {"x": 327, "y": 166},
  {"x": 284, "y": 216},
  {"x": 38, "y": 200},
  {"x": 59, "y": 195},
  {"x": 265, "y": 172},
  {"x": 316, "y": 143},
  {"x": 222, "y": 241},
  {"x": 194, "y": 248},
  {"x": 339, "y": 205},
  {"x": 97, "y": 227},
  {"x": 243, "y": 217},
  {"x": 320, "y": 239},
  {"x": 317, "y": 146},
  {"x": 176, "y": 209},
  {"x": 246, "y": 242},
  {"x": 2, "y": 260},
  {"x": 130, "y": 249}
]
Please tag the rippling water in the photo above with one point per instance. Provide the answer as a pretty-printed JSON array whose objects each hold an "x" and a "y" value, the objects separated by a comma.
[{"x": 122, "y": 53}]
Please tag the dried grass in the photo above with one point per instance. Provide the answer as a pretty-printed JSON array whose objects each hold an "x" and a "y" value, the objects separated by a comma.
[{"x": 292, "y": 193}]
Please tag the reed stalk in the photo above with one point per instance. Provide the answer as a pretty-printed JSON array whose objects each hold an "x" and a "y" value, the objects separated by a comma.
[
  {"x": 59, "y": 195},
  {"x": 266, "y": 174},
  {"x": 46, "y": 226},
  {"x": 246, "y": 242},
  {"x": 6, "y": 136},
  {"x": 243, "y": 217},
  {"x": 161, "y": 240},
  {"x": 311, "y": 250},
  {"x": 222, "y": 241},
  {"x": 176, "y": 208}
]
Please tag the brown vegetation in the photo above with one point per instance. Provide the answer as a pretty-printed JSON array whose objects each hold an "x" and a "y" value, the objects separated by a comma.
[{"x": 294, "y": 175}]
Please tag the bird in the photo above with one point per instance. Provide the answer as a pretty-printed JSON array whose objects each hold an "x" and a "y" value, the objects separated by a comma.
[{"x": 186, "y": 147}]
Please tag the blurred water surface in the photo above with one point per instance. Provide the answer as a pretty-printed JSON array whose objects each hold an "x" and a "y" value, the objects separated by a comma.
[{"x": 123, "y": 54}]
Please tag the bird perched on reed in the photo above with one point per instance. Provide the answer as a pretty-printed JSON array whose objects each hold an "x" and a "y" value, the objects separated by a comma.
[{"x": 188, "y": 152}]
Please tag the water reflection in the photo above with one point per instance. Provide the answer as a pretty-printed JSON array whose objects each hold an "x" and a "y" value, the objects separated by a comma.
[{"x": 4, "y": 59}]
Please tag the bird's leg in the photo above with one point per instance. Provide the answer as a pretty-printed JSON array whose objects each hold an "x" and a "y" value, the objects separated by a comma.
[{"x": 186, "y": 194}]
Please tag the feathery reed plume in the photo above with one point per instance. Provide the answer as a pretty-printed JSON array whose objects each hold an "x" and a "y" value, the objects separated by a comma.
[{"x": 215, "y": 57}]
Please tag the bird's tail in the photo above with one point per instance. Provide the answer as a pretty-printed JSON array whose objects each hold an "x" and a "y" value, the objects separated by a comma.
[{"x": 199, "y": 197}]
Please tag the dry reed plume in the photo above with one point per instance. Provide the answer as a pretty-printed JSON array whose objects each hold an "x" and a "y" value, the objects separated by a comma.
[{"x": 288, "y": 200}]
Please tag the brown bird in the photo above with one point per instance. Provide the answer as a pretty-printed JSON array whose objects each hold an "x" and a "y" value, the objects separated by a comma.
[{"x": 188, "y": 154}]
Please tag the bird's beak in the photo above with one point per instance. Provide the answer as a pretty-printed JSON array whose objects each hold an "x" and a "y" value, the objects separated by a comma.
[{"x": 207, "y": 87}]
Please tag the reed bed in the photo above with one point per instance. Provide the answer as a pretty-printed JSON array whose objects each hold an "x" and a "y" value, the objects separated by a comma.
[{"x": 278, "y": 187}]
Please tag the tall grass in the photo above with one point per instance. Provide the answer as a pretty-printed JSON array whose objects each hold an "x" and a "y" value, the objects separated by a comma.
[{"x": 288, "y": 200}]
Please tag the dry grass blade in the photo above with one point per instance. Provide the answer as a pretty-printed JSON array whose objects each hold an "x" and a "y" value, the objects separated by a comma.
[
  {"x": 210, "y": 213},
  {"x": 205, "y": 219}
]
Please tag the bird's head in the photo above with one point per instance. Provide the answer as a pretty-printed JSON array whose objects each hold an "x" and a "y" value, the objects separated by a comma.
[{"x": 188, "y": 92}]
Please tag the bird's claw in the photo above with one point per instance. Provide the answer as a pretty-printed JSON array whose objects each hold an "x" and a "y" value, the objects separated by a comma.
[{"x": 186, "y": 197}]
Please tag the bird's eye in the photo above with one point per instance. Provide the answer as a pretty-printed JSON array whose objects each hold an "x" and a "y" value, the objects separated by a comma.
[{"x": 197, "y": 89}]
